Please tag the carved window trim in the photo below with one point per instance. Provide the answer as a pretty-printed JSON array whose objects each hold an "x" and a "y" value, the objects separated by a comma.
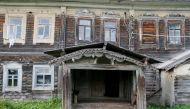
[
  {"x": 177, "y": 21},
  {"x": 17, "y": 67},
  {"x": 84, "y": 14},
  {"x": 110, "y": 16},
  {"x": 154, "y": 19},
  {"x": 23, "y": 28},
  {"x": 50, "y": 39}
]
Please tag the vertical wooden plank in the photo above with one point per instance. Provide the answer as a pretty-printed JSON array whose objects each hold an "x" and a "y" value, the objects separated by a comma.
[
  {"x": 67, "y": 87},
  {"x": 141, "y": 92},
  {"x": 60, "y": 80}
]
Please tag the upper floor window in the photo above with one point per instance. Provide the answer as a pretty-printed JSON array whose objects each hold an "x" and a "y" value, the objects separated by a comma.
[
  {"x": 149, "y": 32},
  {"x": 14, "y": 29},
  {"x": 43, "y": 77},
  {"x": 44, "y": 29},
  {"x": 84, "y": 29},
  {"x": 110, "y": 31},
  {"x": 12, "y": 77},
  {"x": 174, "y": 33}
]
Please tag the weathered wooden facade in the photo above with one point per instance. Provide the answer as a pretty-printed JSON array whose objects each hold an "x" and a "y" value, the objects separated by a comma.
[{"x": 67, "y": 29}]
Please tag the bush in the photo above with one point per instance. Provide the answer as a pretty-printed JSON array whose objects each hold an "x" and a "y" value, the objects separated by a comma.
[{"x": 53, "y": 103}]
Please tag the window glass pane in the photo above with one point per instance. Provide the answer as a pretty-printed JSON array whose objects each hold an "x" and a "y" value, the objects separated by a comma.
[
  {"x": 171, "y": 33},
  {"x": 113, "y": 35},
  {"x": 47, "y": 79},
  {"x": 81, "y": 32},
  {"x": 41, "y": 70},
  {"x": 41, "y": 31},
  {"x": 12, "y": 72},
  {"x": 107, "y": 35},
  {"x": 85, "y": 22},
  {"x": 88, "y": 33},
  {"x": 15, "y": 20},
  {"x": 44, "y": 21},
  {"x": 46, "y": 34},
  {"x": 15, "y": 82},
  {"x": 39, "y": 79},
  {"x": 18, "y": 32},
  {"x": 110, "y": 25},
  {"x": 9, "y": 82}
]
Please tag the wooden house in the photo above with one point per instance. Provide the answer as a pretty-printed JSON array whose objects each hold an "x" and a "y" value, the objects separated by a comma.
[{"x": 73, "y": 49}]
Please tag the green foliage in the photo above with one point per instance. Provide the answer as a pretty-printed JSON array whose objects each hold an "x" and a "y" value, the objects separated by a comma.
[
  {"x": 53, "y": 103},
  {"x": 151, "y": 106}
]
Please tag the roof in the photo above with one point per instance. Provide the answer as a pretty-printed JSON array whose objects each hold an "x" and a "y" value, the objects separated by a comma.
[
  {"x": 106, "y": 46},
  {"x": 167, "y": 65}
]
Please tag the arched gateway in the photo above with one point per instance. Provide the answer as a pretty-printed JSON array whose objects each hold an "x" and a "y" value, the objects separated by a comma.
[{"x": 101, "y": 73}]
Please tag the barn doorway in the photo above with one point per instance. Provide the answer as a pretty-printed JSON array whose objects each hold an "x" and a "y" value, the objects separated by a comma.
[{"x": 102, "y": 85}]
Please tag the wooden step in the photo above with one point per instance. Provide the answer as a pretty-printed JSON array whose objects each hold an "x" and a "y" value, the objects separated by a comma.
[{"x": 102, "y": 106}]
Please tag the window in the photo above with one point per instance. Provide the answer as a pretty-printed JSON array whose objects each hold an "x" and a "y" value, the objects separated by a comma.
[
  {"x": 44, "y": 29},
  {"x": 84, "y": 30},
  {"x": 149, "y": 32},
  {"x": 14, "y": 29},
  {"x": 110, "y": 31},
  {"x": 12, "y": 77},
  {"x": 174, "y": 31},
  {"x": 43, "y": 77}
]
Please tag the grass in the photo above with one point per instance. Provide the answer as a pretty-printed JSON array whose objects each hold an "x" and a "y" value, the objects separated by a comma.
[
  {"x": 53, "y": 103},
  {"x": 151, "y": 106}
]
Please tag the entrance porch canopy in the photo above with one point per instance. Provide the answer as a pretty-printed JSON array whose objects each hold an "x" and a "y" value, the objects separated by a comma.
[
  {"x": 97, "y": 50},
  {"x": 119, "y": 59}
]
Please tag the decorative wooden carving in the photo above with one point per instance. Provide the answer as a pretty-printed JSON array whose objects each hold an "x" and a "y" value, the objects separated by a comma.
[
  {"x": 110, "y": 14},
  {"x": 85, "y": 13},
  {"x": 96, "y": 53}
]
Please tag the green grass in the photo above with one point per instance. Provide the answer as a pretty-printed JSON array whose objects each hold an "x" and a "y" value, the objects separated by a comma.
[
  {"x": 151, "y": 106},
  {"x": 53, "y": 103}
]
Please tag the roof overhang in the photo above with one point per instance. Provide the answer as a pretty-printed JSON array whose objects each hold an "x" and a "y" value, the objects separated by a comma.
[{"x": 105, "y": 48}]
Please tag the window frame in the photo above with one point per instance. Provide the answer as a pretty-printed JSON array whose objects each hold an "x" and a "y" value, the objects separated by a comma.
[
  {"x": 23, "y": 28},
  {"x": 168, "y": 32},
  {"x": 116, "y": 30},
  {"x": 50, "y": 39},
  {"x": 34, "y": 77},
  {"x": 155, "y": 20},
  {"x": 91, "y": 31},
  {"x": 6, "y": 67}
]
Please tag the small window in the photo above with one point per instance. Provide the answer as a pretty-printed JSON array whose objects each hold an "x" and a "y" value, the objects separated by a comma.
[
  {"x": 43, "y": 28},
  {"x": 110, "y": 31},
  {"x": 84, "y": 28},
  {"x": 174, "y": 33},
  {"x": 12, "y": 77},
  {"x": 43, "y": 77}
]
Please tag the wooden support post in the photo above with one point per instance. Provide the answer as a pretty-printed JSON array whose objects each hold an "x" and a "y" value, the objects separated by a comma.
[
  {"x": 141, "y": 92},
  {"x": 60, "y": 81},
  {"x": 167, "y": 84}
]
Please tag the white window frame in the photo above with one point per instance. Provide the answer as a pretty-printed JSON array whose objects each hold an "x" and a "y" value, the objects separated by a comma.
[
  {"x": 23, "y": 28},
  {"x": 50, "y": 39},
  {"x": 51, "y": 71},
  {"x": 84, "y": 37},
  {"x": 5, "y": 77}
]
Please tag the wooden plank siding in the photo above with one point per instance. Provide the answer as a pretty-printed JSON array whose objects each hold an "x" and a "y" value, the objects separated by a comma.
[{"x": 182, "y": 89}]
